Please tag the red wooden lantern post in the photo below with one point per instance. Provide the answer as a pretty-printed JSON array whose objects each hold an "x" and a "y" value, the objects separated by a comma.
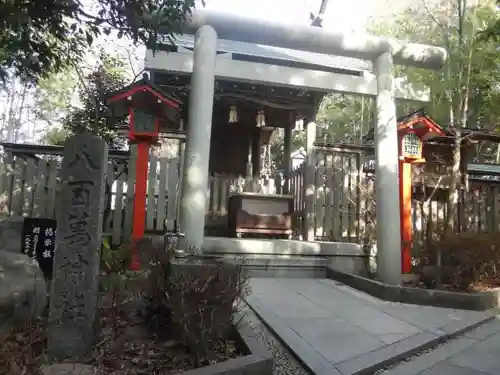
[
  {"x": 412, "y": 132},
  {"x": 148, "y": 108}
]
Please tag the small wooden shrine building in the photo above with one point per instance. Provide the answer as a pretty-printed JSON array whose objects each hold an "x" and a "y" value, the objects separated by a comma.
[{"x": 250, "y": 102}]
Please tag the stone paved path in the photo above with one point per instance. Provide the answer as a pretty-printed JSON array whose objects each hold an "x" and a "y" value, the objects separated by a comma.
[
  {"x": 337, "y": 330},
  {"x": 475, "y": 353}
]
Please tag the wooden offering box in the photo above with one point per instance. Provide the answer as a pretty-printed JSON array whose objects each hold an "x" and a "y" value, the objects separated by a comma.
[{"x": 260, "y": 214}]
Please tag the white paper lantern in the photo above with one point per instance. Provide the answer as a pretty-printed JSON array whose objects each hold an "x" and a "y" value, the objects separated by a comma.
[
  {"x": 261, "y": 119},
  {"x": 233, "y": 114}
]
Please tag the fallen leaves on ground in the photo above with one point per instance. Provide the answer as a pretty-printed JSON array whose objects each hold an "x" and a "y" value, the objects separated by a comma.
[{"x": 124, "y": 346}]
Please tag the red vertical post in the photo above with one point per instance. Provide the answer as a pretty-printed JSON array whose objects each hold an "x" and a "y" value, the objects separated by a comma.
[
  {"x": 405, "y": 192},
  {"x": 139, "y": 221}
]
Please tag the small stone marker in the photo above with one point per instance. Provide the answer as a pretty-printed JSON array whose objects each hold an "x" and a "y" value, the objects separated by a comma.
[{"x": 74, "y": 291}]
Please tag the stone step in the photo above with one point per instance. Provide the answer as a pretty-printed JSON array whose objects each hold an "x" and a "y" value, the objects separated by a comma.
[
  {"x": 273, "y": 260},
  {"x": 278, "y": 266}
]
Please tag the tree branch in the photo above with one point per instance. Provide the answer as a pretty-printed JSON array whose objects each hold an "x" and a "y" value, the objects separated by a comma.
[{"x": 435, "y": 18}]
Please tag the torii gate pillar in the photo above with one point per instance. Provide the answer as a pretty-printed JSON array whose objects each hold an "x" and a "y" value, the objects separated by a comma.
[
  {"x": 197, "y": 154},
  {"x": 387, "y": 174}
]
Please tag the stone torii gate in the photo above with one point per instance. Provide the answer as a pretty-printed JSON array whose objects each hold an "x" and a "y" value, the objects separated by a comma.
[{"x": 208, "y": 26}]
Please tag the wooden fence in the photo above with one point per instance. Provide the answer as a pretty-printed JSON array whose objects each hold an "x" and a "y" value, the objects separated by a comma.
[
  {"x": 30, "y": 181},
  {"x": 295, "y": 186},
  {"x": 344, "y": 200},
  {"x": 343, "y": 191},
  {"x": 30, "y": 178}
]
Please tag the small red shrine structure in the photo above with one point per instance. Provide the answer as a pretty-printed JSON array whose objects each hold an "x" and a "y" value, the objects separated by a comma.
[
  {"x": 149, "y": 110},
  {"x": 412, "y": 131}
]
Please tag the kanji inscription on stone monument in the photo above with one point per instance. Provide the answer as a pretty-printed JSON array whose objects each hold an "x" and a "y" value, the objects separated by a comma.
[{"x": 74, "y": 291}]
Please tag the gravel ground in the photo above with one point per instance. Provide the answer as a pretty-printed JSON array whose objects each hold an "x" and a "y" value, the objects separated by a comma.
[{"x": 285, "y": 363}]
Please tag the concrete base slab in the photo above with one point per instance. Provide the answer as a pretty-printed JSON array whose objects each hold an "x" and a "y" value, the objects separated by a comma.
[
  {"x": 335, "y": 329},
  {"x": 287, "y": 258}
]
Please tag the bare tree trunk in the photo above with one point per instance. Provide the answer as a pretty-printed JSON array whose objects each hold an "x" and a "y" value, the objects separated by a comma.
[
  {"x": 10, "y": 116},
  {"x": 20, "y": 113},
  {"x": 452, "y": 202}
]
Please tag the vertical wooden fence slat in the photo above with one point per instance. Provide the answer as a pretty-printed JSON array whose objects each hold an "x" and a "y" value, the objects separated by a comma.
[
  {"x": 277, "y": 183},
  {"x": 173, "y": 193},
  {"x": 223, "y": 196},
  {"x": 330, "y": 188},
  {"x": 151, "y": 197},
  {"x": 129, "y": 202},
  {"x": 39, "y": 198},
  {"x": 486, "y": 212},
  {"x": 344, "y": 199},
  {"x": 350, "y": 198},
  {"x": 302, "y": 204},
  {"x": 475, "y": 210},
  {"x": 162, "y": 194},
  {"x": 8, "y": 183},
  {"x": 370, "y": 218},
  {"x": 214, "y": 191},
  {"x": 53, "y": 171},
  {"x": 300, "y": 188},
  {"x": 358, "y": 197},
  {"x": 488, "y": 203},
  {"x": 362, "y": 197},
  {"x": 29, "y": 186},
  {"x": 303, "y": 201},
  {"x": 319, "y": 195},
  {"x": 18, "y": 187},
  {"x": 209, "y": 204},
  {"x": 494, "y": 208},
  {"x": 118, "y": 207},
  {"x": 110, "y": 197},
  {"x": 337, "y": 196}
]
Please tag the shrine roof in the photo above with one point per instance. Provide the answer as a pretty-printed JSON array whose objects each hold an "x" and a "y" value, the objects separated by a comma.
[
  {"x": 280, "y": 97},
  {"x": 143, "y": 83},
  {"x": 411, "y": 118},
  {"x": 281, "y": 56}
]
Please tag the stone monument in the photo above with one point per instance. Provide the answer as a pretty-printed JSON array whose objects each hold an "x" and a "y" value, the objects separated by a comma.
[{"x": 79, "y": 212}]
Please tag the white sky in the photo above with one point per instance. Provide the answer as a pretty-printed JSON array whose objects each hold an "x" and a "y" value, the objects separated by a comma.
[
  {"x": 347, "y": 15},
  {"x": 340, "y": 14}
]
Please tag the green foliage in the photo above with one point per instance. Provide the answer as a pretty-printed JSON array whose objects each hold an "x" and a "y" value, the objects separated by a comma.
[
  {"x": 54, "y": 95},
  {"x": 39, "y": 37},
  {"x": 94, "y": 116},
  {"x": 35, "y": 36},
  {"x": 114, "y": 259},
  {"x": 345, "y": 118},
  {"x": 54, "y": 136},
  {"x": 472, "y": 67},
  {"x": 455, "y": 27},
  {"x": 492, "y": 32}
]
